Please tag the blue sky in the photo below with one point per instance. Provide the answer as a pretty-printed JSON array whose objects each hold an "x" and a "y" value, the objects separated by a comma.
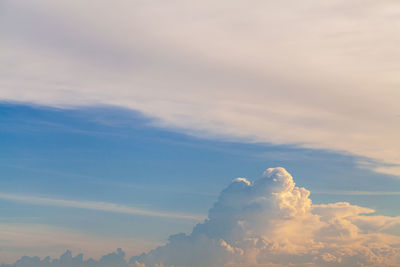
[
  {"x": 123, "y": 123},
  {"x": 113, "y": 155}
]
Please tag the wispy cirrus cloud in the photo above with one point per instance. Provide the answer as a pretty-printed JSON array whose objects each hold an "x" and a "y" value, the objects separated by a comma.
[
  {"x": 95, "y": 205},
  {"x": 357, "y": 193}
]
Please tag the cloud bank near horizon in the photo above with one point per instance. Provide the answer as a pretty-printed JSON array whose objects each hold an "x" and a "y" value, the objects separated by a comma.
[
  {"x": 269, "y": 222},
  {"x": 314, "y": 74}
]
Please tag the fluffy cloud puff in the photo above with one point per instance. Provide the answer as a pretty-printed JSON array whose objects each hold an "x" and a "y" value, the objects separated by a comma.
[
  {"x": 272, "y": 222},
  {"x": 269, "y": 222}
]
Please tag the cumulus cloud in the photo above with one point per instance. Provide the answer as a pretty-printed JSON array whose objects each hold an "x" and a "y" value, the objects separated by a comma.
[
  {"x": 312, "y": 73},
  {"x": 272, "y": 222},
  {"x": 115, "y": 259},
  {"x": 19, "y": 239}
]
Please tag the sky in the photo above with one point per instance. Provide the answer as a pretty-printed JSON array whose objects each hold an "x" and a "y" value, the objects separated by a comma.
[{"x": 126, "y": 124}]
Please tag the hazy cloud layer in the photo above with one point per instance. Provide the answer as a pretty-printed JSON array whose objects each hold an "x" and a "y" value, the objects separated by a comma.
[
  {"x": 17, "y": 239},
  {"x": 272, "y": 222},
  {"x": 313, "y": 73},
  {"x": 115, "y": 259}
]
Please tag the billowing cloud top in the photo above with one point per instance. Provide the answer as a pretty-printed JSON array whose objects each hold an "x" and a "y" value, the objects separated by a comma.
[
  {"x": 317, "y": 74},
  {"x": 271, "y": 222}
]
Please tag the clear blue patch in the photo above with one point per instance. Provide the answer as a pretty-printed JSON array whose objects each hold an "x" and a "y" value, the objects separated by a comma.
[{"x": 115, "y": 155}]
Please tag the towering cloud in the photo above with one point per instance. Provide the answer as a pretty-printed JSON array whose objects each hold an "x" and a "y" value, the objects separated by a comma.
[{"x": 270, "y": 222}]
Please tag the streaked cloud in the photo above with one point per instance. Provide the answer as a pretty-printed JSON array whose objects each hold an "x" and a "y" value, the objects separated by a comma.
[
  {"x": 314, "y": 74},
  {"x": 100, "y": 206},
  {"x": 357, "y": 193}
]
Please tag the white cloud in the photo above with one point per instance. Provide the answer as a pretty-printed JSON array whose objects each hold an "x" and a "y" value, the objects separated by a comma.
[
  {"x": 95, "y": 205},
  {"x": 313, "y": 73},
  {"x": 272, "y": 222}
]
